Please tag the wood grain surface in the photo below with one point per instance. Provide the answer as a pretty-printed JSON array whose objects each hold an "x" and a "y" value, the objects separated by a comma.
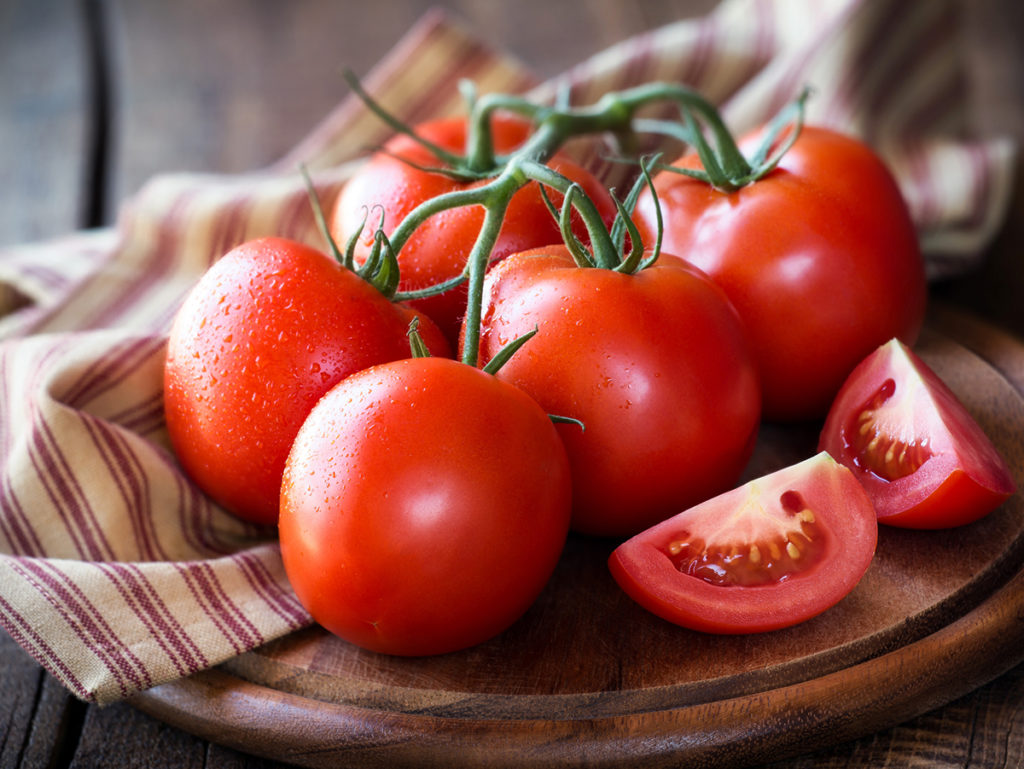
[{"x": 98, "y": 95}]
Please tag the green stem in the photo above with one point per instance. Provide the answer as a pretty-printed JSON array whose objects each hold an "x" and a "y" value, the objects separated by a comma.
[
  {"x": 605, "y": 253},
  {"x": 474, "y": 196},
  {"x": 478, "y": 260}
]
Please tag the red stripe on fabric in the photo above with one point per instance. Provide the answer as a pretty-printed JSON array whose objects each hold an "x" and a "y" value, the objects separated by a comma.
[
  {"x": 696, "y": 66},
  {"x": 153, "y": 269},
  {"x": 143, "y": 417},
  {"x": 215, "y": 609},
  {"x": 148, "y": 606},
  {"x": 132, "y": 483},
  {"x": 232, "y": 221},
  {"x": 765, "y": 39},
  {"x": 284, "y": 604},
  {"x": 65, "y": 493},
  {"x": 245, "y": 629},
  {"x": 197, "y": 516},
  {"x": 917, "y": 44},
  {"x": 296, "y": 219},
  {"x": 48, "y": 277},
  {"x": 107, "y": 372},
  {"x": 24, "y": 634},
  {"x": 16, "y": 519},
  {"x": 846, "y": 96},
  {"x": 16, "y": 524},
  {"x": 87, "y": 624}
]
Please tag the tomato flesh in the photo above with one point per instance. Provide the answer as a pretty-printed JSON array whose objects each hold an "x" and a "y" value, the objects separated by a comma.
[
  {"x": 782, "y": 540},
  {"x": 767, "y": 555},
  {"x": 920, "y": 454}
]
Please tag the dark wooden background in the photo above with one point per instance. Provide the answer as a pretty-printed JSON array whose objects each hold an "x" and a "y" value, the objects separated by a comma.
[{"x": 96, "y": 96}]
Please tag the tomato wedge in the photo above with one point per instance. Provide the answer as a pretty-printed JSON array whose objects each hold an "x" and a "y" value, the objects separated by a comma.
[
  {"x": 923, "y": 459},
  {"x": 770, "y": 554}
]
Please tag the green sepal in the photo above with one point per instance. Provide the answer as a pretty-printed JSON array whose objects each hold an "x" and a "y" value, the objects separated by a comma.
[
  {"x": 321, "y": 220},
  {"x": 505, "y": 353},
  {"x": 443, "y": 155},
  {"x": 559, "y": 419},
  {"x": 417, "y": 346}
]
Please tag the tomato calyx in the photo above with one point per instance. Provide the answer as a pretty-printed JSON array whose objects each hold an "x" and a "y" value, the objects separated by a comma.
[
  {"x": 609, "y": 246},
  {"x": 724, "y": 166},
  {"x": 380, "y": 269}
]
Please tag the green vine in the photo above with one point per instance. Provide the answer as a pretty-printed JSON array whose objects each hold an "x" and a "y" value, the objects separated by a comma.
[{"x": 724, "y": 167}]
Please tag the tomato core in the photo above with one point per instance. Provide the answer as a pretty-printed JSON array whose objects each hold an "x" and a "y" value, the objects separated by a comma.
[{"x": 882, "y": 444}]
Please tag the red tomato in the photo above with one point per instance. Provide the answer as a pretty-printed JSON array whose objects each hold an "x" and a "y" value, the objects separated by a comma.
[
  {"x": 424, "y": 507},
  {"x": 655, "y": 365},
  {"x": 819, "y": 257},
  {"x": 772, "y": 553},
  {"x": 265, "y": 332},
  {"x": 439, "y": 248},
  {"x": 913, "y": 445}
]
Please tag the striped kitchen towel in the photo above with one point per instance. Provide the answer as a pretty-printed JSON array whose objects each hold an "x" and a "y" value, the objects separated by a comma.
[{"x": 116, "y": 573}]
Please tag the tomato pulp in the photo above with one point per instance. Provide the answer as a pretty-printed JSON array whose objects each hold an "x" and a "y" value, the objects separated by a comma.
[{"x": 767, "y": 555}]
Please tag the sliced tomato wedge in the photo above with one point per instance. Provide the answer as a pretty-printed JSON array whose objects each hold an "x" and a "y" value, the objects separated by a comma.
[
  {"x": 923, "y": 459},
  {"x": 770, "y": 554}
]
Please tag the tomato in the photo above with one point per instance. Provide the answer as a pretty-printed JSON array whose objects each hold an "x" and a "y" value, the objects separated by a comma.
[
  {"x": 924, "y": 460},
  {"x": 265, "y": 332},
  {"x": 425, "y": 504},
  {"x": 439, "y": 248},
  {"x": 820, "y": 258},
  {"x": 767, "y": 555},
  {"x": 654, "y": 364}
]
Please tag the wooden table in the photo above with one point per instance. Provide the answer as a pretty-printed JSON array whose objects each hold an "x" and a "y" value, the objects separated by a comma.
[{"x": 97, "y": 96}]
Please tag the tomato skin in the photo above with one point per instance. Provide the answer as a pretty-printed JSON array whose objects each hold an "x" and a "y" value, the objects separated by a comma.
[
  {"x": 269, "y": 328},
  {"x": 820, "y": 258},
  {"x": 843, "y": 532},
  {"x": 424, "y": 507},
  {"x": 951, "y": 473},
  {"x": 439, "y": 248},
  {"x": 655, "y": 365}
]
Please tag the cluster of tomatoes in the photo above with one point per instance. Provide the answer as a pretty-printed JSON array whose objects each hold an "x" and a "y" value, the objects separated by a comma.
[{"x": 425, "y": 453}]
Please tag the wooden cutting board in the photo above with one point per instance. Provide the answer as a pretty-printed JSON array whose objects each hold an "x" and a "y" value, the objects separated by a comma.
[{"x": 588, "y": 677}]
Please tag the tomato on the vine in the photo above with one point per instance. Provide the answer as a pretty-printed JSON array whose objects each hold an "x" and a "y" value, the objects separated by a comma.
[
  {"x": 654, "y": 364},
  {"x": 770, "y": 554},
  {"x": 266, "y": 331},
  {"x": 923, "y": 459},
  {"x": 405, "y": 174},
  {"x": 820, "y": 258},
  {"x": 425, "y": 504}
]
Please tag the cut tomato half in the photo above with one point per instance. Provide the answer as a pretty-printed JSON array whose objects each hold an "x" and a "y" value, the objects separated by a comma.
[
  {"x": 767, "y": 555},
  {"x": 923, "y": 459}
]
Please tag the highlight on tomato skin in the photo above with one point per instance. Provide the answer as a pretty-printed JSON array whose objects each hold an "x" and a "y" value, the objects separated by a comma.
[
  {"x": 923, "y": 459},
  {"x": 767, "y": 555}
]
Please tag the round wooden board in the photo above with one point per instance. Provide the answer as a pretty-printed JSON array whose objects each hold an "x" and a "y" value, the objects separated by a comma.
[{"x": 587, "y": 677}]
